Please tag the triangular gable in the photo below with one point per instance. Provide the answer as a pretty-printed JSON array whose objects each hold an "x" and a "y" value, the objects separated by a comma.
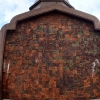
[{"x": 35, "y": 12}]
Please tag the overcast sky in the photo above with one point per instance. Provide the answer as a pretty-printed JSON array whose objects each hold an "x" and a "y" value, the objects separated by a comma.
[{"x": 10, "y": 8}]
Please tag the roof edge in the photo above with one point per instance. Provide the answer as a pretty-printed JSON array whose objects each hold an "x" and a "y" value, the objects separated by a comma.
[
  {"x": 38, "y": 2},
  {"x": 34, "y": 5},
  {"x": 68, "y": 4},
  {"x": 60, "y": 8}
]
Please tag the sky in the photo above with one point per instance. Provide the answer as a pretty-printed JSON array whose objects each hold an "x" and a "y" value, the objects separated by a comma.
[{"x": 11, "y": 8}]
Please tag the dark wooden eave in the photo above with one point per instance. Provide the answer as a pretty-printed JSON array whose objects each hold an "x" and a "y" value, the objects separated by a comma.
[{"x": 41, "y": 1}]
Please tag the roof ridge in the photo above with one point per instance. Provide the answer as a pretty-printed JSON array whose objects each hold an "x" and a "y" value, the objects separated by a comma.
[{"x": 40, "y": 3}]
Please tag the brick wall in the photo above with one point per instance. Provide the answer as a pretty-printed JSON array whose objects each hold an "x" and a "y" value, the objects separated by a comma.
[{"x": 52, "y": 57}]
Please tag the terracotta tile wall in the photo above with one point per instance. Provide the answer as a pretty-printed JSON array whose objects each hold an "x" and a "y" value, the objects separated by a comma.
[{"x": 52, "y": 57}]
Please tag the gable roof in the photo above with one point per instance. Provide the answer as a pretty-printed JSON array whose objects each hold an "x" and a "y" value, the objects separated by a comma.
[
  {"x": 35, "y": 12},
  {"x": 40, "y": 3},
  {"x": 52, "y": 7}
]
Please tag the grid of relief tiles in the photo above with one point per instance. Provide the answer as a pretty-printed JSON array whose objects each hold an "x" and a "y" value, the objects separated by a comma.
[{"x": 52, "y": 57}]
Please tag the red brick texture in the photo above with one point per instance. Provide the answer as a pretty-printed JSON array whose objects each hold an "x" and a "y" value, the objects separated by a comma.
[{"x": 52, "y": 57}]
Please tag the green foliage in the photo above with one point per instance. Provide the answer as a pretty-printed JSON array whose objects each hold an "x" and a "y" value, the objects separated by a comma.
[{"x": 66, "y": 68}]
